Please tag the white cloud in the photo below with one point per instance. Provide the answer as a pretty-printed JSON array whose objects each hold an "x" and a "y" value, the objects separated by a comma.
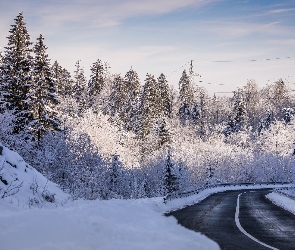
[
  {"x": 101, "y": 13},
  {"x": 280, "y": 11}
]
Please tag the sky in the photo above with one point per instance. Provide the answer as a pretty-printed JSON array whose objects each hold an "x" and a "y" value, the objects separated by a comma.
[{"x": 229, "y": 41}]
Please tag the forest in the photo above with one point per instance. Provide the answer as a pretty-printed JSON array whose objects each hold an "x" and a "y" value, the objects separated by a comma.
[{"x": 115, "y": 136}]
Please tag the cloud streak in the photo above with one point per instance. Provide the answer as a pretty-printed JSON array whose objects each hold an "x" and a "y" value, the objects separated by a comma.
[{"x": 101, "y": 13}]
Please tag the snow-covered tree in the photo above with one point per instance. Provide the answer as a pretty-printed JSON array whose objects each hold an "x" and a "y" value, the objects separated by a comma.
[
  {"x": 97, "y": 78},
  {"x": 16, "y": 73},
  {"x": 186, "y": 97},
  {"x": 115, "y": 174},
  {"x": 63, "y": 80},
  {"x": 129, "y": 113},
  {"x": 165, "y": 94},
  {"x": 79, "y": 88},
  {"x": 149, "y": 108},
  {"x": 195, "y": 114},
  {"x": 171, "y": 183},
  {"x": 163, "y": 134},
  {"x": 43, "y": 94}
]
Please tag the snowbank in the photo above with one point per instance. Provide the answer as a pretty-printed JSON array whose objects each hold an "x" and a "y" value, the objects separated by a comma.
[
  {"x": 24, "y": 186},
  {"x": 82, "y": 225},
  {"x": 176, "y": 204},
  {"x": 283, "y": 201}
]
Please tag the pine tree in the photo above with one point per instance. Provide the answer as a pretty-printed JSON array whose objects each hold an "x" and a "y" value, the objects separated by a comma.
[
  {"x": 186, "y": 92},
  {"x": 97, "y": 78},
  {"x": 236, "y": 120},
  {"x": 149, "y": 106},
  {"x": 79, "y": 89},
  {"x": 170, "y": 179},
  {"x": 186, "y": 97},
  {"x": 44, "y": 99},
  {"x": 124, "y": 99},
  {"x": 16, "y": 73},
  {"x": 184, "y": 112},
  {"x": 164, "y": 136},
  {"x": 165, "y": 96},
  {"x": 115, "y": 174},
  {"x": 117, "y": 97},
  {"x": 63, "y": 80},
  {"x": 129, "y": 113},
  {"x": 195, "y": 114}
]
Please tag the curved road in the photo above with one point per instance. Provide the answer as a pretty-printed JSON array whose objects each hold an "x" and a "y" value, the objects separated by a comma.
[{"x": 242, "y": 219}]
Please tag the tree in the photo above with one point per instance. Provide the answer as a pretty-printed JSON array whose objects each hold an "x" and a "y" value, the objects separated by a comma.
[
  {"x": 186, "y": 90},
  {"x": 117, "y": 96},
  {"x": 195, "y": 114},
  {"x": 96, "y": 83},
  {"x": 79, "y": 88},
  {"x": 63, "y": 80},
  {"x": 184, "y": 112},
  {"x": 16, "y": 74},
  {"x": 129, "y": 114},
  {"x": 252, "y": 101},
  {"x": 165, "y": 96},
  {"x": 170, "y": 179},
  {"x": 236, "y": 120},
  {"x": 164, "y": 136},
  {"x": 149, "y": 108},
  {"x": 186, "y": 97},
  {"x": 43, "y": 95},
  {"x": 115, "y": 174},
  {"x": 280, "y": 94}
]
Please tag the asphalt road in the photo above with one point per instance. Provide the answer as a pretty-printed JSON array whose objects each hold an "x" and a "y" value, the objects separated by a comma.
[{"x": 254, "y": 224}]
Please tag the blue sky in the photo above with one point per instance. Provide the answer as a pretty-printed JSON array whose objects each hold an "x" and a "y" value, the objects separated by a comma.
[{"x": 163, "y": 35}]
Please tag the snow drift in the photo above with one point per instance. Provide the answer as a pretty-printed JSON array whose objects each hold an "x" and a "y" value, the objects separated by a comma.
[
  {"x": 80, "y": 225},
  {"x": 24, "y": 186}
]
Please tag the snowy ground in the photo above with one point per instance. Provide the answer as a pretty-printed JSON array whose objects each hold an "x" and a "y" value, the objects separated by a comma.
[{"x": 29, "y": 222}]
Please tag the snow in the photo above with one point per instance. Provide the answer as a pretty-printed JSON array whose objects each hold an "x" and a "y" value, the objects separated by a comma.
[
  {"x": 115, "y": 224},
  {"x": 33, "y": 187},
  {"x": 176, "y": 204},
  {"x": 283, "y": 201},
  {"x": 77, "y": 225}
]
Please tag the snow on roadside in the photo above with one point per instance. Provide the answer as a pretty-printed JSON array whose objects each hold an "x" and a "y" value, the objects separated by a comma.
[
  {"x": 80, "y": 225},
  {"x": 179, "y": 203},
  {"x": 283, "y": 201},
  {"x": 107, "y": 225},
  {"x": 24, "y": 186}
]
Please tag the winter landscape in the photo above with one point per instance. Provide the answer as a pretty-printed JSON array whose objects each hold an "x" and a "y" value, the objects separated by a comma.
[{"x": 102, "y": 160}]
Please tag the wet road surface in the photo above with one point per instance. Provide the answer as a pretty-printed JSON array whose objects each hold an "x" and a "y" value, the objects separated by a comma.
[{"x": 254, "y": 224}]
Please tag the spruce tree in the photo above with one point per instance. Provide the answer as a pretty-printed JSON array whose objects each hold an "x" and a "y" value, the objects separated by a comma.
[
  {"x": 195, "y": 114},
  {"x": 186, "y": 92},
  {"x": 186, "y": 97},
  {"x": 117, "y": 96},
  {"x": 115, "y": 174},
  {"x": 124, "y": 97},
  {"x": 149, "y": 106},
  {"x": 63, "y": 80},
  {"x": 97, "y": 78},
  {"x": 164, "y": 136},
  {"x": 165, "y": 96},
  {"x": 79, "y": 89},
  {"x": 16, "y": 76},
  {"x": 129, "y": 113},
  {"x": 44, "y": 99},
  {"x": 170, "y": 179}
]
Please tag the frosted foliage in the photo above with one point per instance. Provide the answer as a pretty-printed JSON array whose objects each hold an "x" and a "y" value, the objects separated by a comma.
[{"x": 108, "y": 138}]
